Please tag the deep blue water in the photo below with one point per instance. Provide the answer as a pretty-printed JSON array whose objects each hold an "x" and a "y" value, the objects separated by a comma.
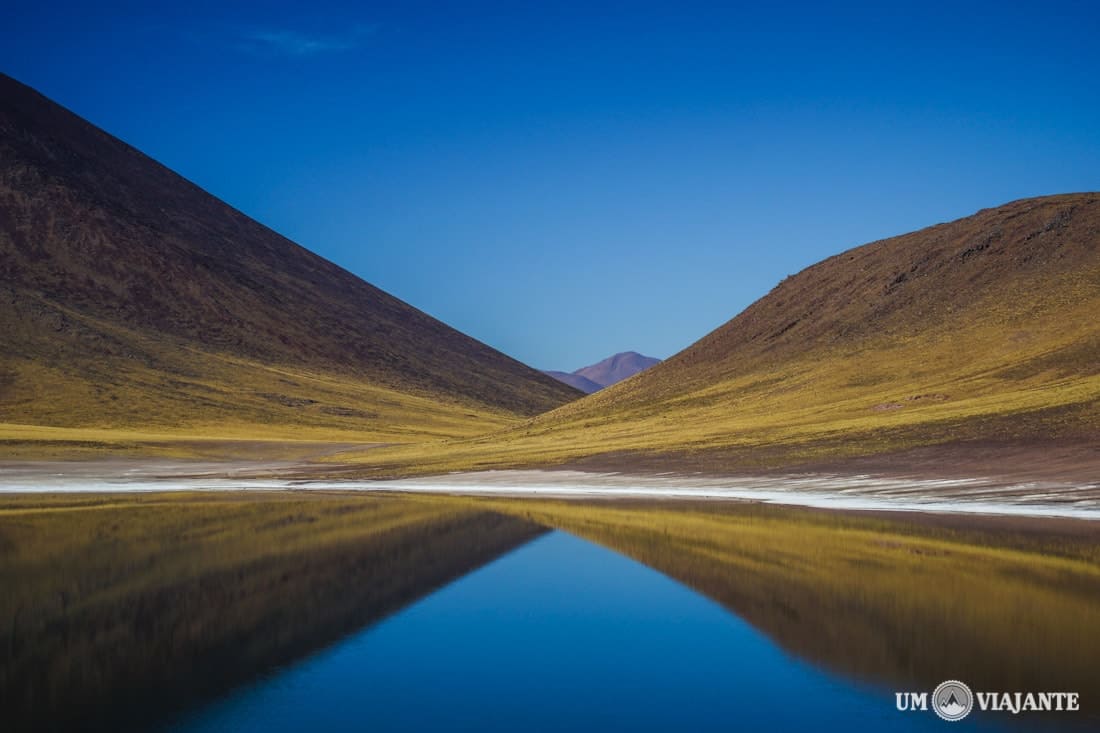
[{"x": 559, "y": 635}]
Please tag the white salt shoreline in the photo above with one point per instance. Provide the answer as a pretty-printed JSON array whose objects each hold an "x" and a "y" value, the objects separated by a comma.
[{"x": 824, "y": 491}]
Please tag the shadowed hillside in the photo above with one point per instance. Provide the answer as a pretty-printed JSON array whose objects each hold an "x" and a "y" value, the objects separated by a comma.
[
  {"x": 131, "y": 298},
  {"x": 983, "y": 329}
]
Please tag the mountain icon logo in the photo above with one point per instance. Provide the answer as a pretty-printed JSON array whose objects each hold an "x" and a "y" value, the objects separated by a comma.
[{"x": 952, "y": 700}]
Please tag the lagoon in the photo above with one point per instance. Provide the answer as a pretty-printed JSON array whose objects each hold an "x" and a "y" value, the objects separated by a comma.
[
  {"x": 284, "y": 610},
  {"x": 560, "y": 635}
]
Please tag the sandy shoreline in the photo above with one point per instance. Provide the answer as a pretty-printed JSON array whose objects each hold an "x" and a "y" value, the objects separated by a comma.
[{"x": 821, "y": 490}]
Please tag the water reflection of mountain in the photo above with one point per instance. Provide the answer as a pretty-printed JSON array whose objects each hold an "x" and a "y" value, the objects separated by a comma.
[
  {"x": 118, "y": 613},
  {"x": 905, "y": 604}
]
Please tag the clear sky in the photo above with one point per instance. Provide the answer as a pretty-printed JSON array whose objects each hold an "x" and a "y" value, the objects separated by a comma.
[{"x": 564, "y": 181}]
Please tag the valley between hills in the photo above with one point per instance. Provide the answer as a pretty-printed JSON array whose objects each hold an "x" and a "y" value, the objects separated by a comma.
[
  {"x": 978, "y": 336},
  {"x": 143, "y": 317}
]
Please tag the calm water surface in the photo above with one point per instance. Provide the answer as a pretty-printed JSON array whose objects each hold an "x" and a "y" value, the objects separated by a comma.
[{"x": 560, "y": 635}]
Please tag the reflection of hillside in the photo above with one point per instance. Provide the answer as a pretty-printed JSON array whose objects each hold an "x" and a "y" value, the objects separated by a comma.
[
  {"x": 119, "y": 614},
  {"x": 904, "y": 605}
]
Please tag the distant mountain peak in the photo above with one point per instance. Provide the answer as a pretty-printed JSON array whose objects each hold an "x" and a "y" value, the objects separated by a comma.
[{"x": 605, "y": 373}]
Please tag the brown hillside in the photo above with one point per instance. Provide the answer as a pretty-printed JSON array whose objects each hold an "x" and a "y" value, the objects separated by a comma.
[
  {"x": 983, "y": 329},
  {"x": 1008, "y": 266},
  {"x": 111, "y": 264}
]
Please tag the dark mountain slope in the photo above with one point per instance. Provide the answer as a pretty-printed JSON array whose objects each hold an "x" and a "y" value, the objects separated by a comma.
[{"x": 112, "y": 264}]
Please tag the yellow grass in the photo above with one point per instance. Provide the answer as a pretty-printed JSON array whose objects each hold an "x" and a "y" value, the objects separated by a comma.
[{"x": 50, "y": 411}]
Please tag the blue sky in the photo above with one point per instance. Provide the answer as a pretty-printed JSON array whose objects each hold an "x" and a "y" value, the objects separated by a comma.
[{"x": 569, "y": 181}]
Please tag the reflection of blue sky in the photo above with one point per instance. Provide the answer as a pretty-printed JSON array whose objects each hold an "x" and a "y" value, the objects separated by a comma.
[
  {"x": 568, "y": 180},
  {"x": 566, "y": 636}
]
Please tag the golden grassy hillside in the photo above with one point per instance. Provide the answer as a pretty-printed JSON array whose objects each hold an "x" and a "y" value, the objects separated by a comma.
[
  {"x": 132, "y": 300},
  {"x": 981, "y": 329}
]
